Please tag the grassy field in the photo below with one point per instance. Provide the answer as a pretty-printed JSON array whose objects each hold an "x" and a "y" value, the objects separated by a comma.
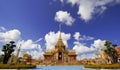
[
  {"x": 18, "y": 66},
  {"x": 103, "y": 66}
]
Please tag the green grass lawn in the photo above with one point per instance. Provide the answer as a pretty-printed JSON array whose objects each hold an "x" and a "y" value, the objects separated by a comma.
[
  {"x": 103, "y": 66},
  {"x": 18, "y": 66}
]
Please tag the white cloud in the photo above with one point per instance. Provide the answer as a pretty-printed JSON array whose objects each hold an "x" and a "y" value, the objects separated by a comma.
[
  {"x": 29, "y": 44},
  {"x": 81, "y": 48},
  {"x": 38, "y": 40},
  {"x": 64, "y": 17},
  {"x": 117, "y": 1},
  {"x": 88, "y": 8},
  {"x": 31, "y": 48},
  {"x": 85, "y": 9},
  {"x": 83, "y": 51},
  {"x": 11, "y": 35},
  {"x": 2, "y": 28},
  {"x": 36, "y": 54},
  {"x": 73, "y": 2},
  {"x": 84, "y": 37},
  {"x": 1, "y": 52},
  {"x": 62, "y": 1},
  {"x": 51, "y": 39},
  {"x": 99, "y": 43},
  {"x": 86, "y": 56},
  {"x": 78, "y": 37}
]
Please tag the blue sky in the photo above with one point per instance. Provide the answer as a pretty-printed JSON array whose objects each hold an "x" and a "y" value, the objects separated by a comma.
[{"x": 36, "y": 18}]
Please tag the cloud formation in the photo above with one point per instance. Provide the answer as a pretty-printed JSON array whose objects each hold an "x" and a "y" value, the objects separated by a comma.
[
  {"x": 29, "y": 45},
  {"x": 81, "y": 48},
  {"x": 38, "y": 40},
  {"x": 88, "y": 8},
  {"x": 64, "y": 17},
  {"x": 80, "y": 37},
  {"x": 31, "y": 48},
  {"x": 36, "y": 54},
  {"x": 51, "y": 39},
  {"x": 99, "y": 43},
  {"x": 76, "y": 35},
  {"x": 11, "y": 35},
  {"x": 2, "y": 28},
  {"x": 84, "y": 51},
  {"x": 87, "y": 56},
  {"x": 78, "y": 47}
]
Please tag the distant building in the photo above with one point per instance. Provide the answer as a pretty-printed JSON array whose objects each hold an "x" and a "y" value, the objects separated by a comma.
[
  {"x": 118, "y": 51},
  {"x": 60, "y": 53},
  {"x": 104, "y": 58}
]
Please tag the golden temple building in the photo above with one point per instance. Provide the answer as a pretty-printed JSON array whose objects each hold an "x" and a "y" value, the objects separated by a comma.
[{"x": 60, "y": 53}]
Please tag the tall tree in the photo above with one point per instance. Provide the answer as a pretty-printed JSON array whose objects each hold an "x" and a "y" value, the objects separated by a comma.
[
  {"x": 1, "y": 58},
  {"x": 8, "y": 49},
  {"x": 114, "y": 45},
  {"x": 110, "y": 50}
]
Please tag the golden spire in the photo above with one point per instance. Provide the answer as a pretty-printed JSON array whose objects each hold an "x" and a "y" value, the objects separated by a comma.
[
  {"x": 60, "y": 38},
  {"x": 60, "y": 42},
  {"x": 60, "y": 27}
]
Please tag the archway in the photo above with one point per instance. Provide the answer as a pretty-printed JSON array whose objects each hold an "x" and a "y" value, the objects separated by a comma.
[{"x": 60, "y": 56}]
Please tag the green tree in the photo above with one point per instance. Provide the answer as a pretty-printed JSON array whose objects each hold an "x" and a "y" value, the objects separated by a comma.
[
  {"x": 19, "y": 59},
  {"x": 1, "y": 58},
  {"x": 12, "y": 59},
  {"x": 114, "y": 45},
  {"x": 8, "y": 49},
  {"x": 110, "y": 50}
]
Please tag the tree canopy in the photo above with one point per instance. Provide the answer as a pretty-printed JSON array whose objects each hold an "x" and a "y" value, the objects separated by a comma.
[
  {"x": 8, "y": 49},
  {"x": 110, "y": 50}
]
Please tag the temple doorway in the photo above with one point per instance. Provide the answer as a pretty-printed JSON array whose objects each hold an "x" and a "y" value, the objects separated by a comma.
[{"x": 60, "y": 56}]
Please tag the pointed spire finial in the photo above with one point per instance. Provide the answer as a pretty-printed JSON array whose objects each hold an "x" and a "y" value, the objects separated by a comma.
[
  {"x": 60, "y": 31},
  {"x": 60, "y": 36},
  {"x": 60, "y": 27}
]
